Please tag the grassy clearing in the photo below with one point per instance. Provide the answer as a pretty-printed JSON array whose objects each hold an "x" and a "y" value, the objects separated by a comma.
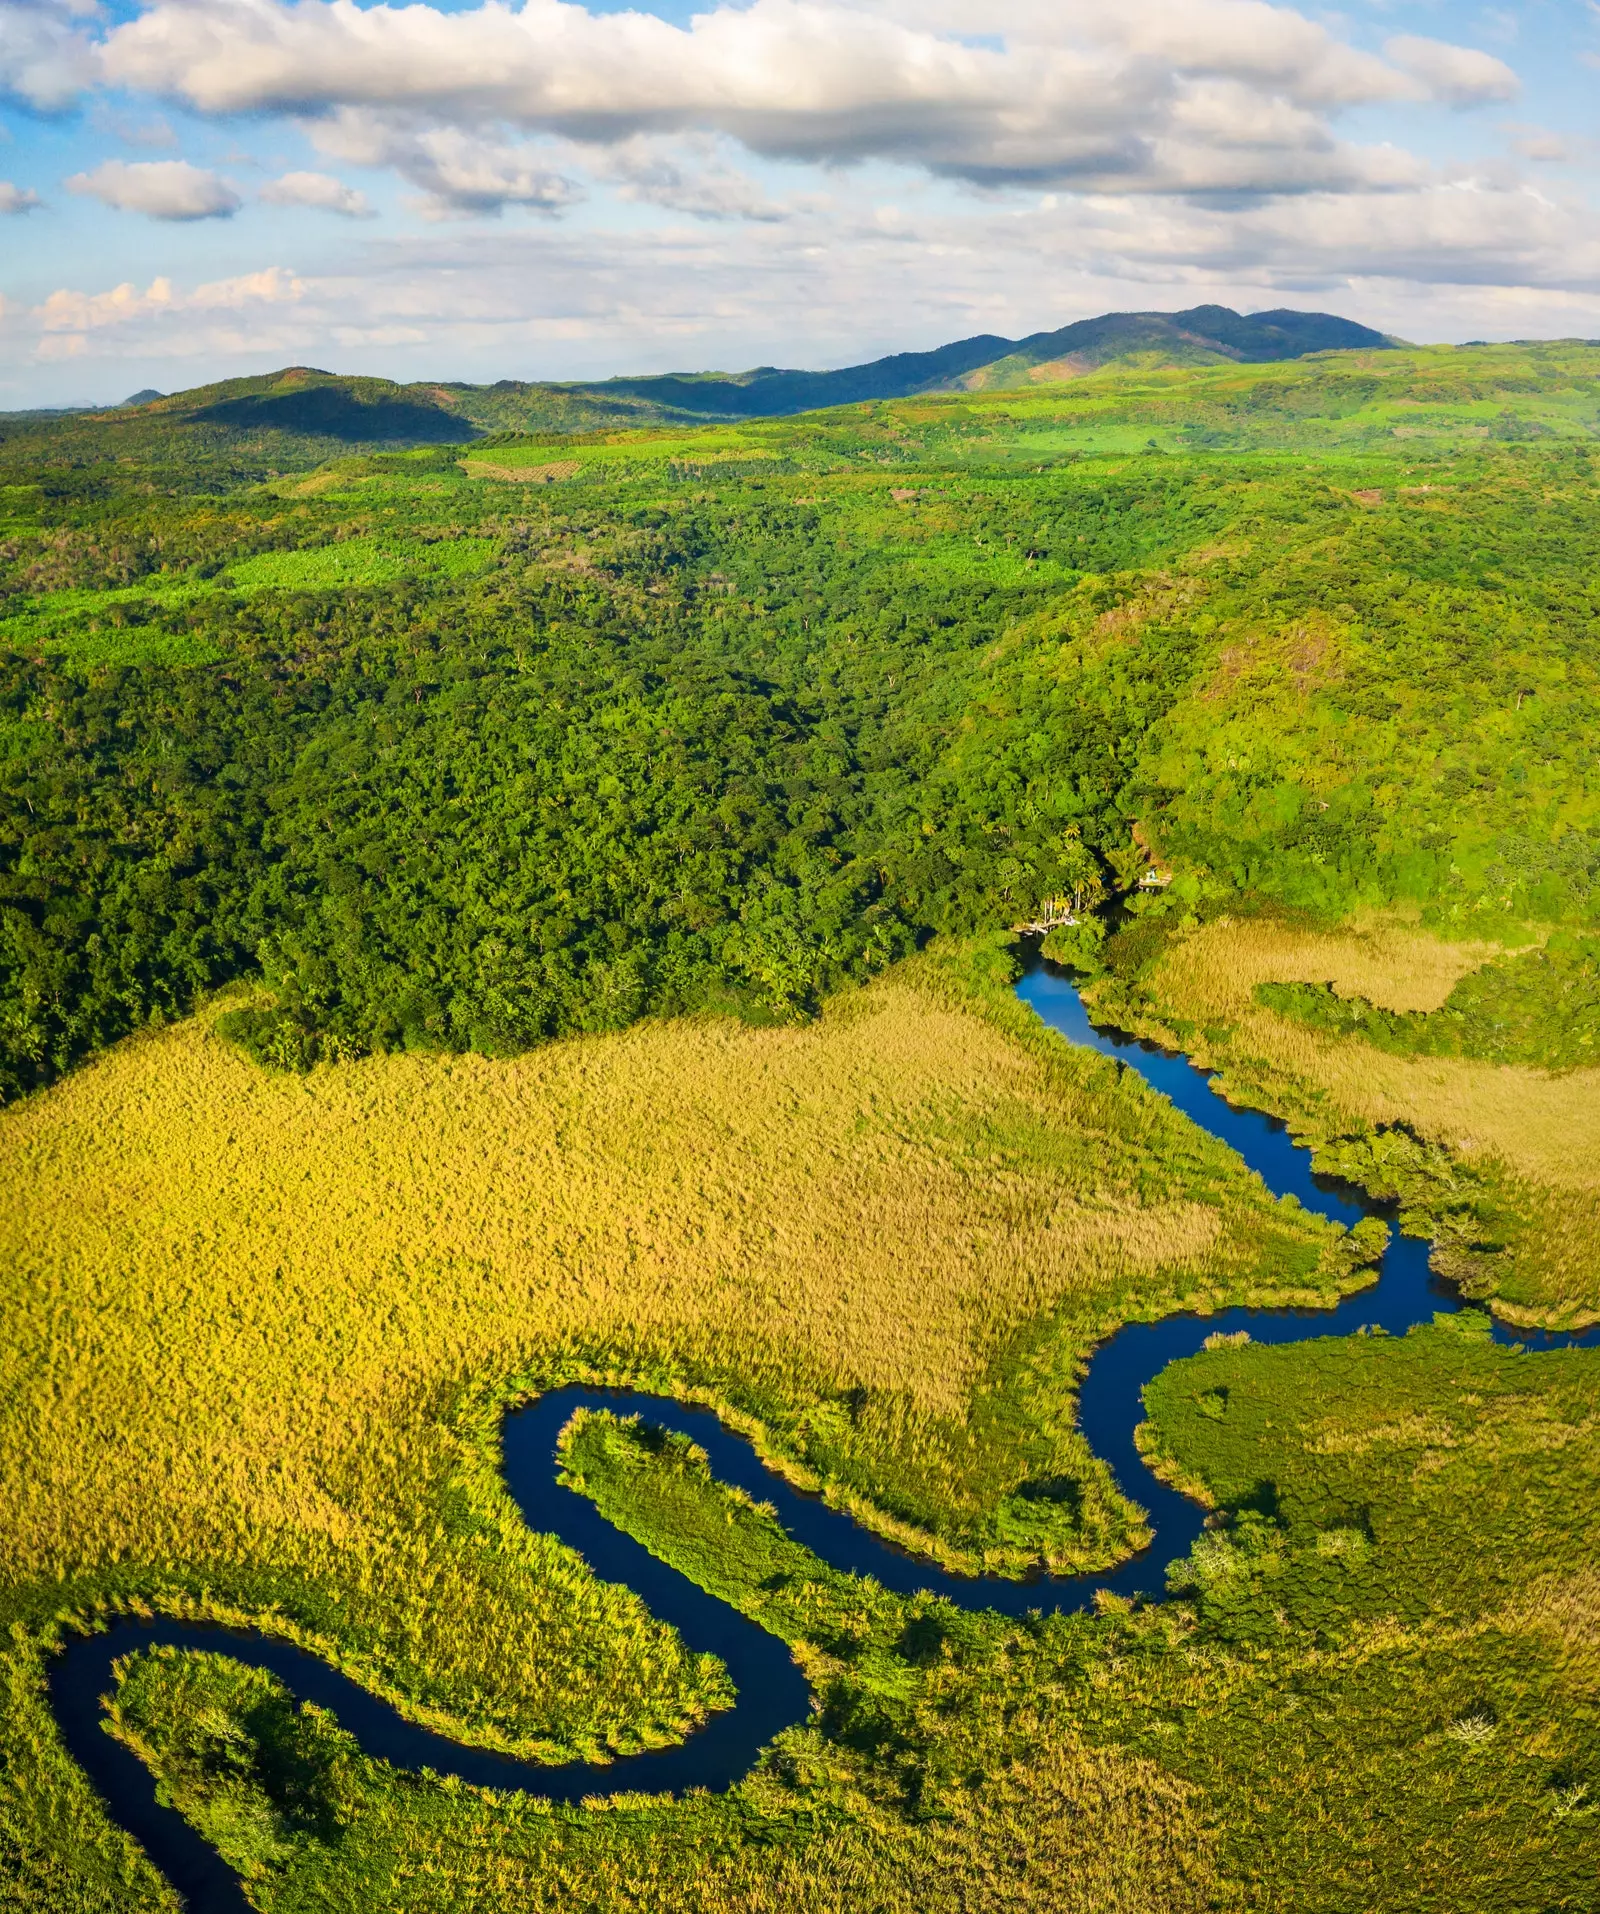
[
  {"x": 606, "y": 452},
  {"x": 123, "y": 625},
  {"x": 1331, "y": 402},
  {"x": 260, "y": 1324},
  {"x": 1501, "y": 1161},
  {"x": 355, "y": 562},
  {"x": 1539, "y": 1006}
]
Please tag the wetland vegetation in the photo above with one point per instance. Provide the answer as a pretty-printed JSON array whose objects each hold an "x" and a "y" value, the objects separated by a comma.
[{"x": 473, "y": 917}]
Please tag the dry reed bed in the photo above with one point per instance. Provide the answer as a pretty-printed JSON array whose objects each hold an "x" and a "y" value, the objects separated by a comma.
[
  {"x": 1535, "y": 1133},
  {"x": 240, "y": 1307},
  {"x": 227, "y": 1288}
]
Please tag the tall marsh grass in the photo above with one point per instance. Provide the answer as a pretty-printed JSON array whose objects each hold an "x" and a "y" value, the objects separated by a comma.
[
  {"x": 245, "y": 1312},
  {"x": 1527, "y": 1137}
]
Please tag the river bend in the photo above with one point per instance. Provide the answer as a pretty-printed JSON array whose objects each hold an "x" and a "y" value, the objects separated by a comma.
[{"x": 772, "y": 1693}]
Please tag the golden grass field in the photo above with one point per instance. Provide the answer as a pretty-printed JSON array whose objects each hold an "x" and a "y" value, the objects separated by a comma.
[
  {"x": 1533, "y": 1134},
  {"x": 258, "y": 1324}
]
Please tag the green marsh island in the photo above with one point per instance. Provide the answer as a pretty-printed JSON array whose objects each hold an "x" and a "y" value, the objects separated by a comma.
[{"x": 524, "y": 889}]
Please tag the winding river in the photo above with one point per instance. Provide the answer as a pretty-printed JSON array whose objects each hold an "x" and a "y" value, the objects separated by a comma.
[{"x": 772, "y": 1693}]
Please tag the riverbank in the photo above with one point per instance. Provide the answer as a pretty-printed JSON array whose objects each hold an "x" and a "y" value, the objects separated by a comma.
[
  {"x": 754, "y": 1557},
  {"x": 1497, "y": 1163},
  {"x": 248, "y": 1310}
]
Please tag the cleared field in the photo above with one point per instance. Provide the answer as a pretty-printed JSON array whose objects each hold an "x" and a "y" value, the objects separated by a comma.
[
  {"x": 540, "y": 464},
  {"x": 90, "y": 626},
  {"x": 1517, "y": 1149},
  {"x": 260, "y": 1325},
  {"x": 361, "y": 561}
]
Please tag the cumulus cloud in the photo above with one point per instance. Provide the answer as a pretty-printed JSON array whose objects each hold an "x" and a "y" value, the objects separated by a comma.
[
  {"x": 1068, "y": 90},
  {"x": 17, "y": 199},
  {"x": 163, "y": 320},
  {"x": 1460, "y": 75},
  {"x": 320, "y": 191},
  {"x": 162, "y": 189},
  {"x": 46, "y": 57},
  {"x": 1463, "y": 233},
  {"x": 1537, "y": 143},
  {"x": 69, "y": 311},
  {"x": 687, "y": 175},
  {"x": 459, "y": 173},
  {"x": 1274, "y": 48}
]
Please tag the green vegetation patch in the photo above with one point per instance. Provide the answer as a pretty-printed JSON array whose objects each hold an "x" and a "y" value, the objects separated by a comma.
[
  {"x": 146, "y": 623},
  {"x": 356, "y": 562},
  {"x": 1374, "y": 1687},
  {"x": 1402, "y": 1597},
  {"x": 565, "y": 458},
  {"x": 1540, "y": 1007}
]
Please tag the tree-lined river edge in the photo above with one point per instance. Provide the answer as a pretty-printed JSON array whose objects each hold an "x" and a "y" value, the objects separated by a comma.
[{"x": 771, "y": 1691}]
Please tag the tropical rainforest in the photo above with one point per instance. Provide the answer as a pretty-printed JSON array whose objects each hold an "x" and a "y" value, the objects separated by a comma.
[{"x": 535, "y": 902}]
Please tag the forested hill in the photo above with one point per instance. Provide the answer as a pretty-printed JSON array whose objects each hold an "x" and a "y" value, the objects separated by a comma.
[
  {"x": 474, "y": 743},
  {"x": 308, "y": 403},
  {"x": 1205, "y": 335}
]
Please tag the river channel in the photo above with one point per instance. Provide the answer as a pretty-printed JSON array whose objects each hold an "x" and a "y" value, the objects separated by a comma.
[{"x": 772, "y": 1693}]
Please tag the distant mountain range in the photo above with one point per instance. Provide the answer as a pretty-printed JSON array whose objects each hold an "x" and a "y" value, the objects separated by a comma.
[
  {"x": 1204, "y": 335},
  {"x": 304, "y": 401}
]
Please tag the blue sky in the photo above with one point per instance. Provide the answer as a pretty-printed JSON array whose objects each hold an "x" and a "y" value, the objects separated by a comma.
[{"x": 198, "y": 188}]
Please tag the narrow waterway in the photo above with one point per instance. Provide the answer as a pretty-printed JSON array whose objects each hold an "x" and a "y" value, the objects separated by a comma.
[{"x": 772, "y": 1694}]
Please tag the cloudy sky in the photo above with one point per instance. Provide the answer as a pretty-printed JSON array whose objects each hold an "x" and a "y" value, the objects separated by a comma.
[{"x": 538, "y": 189}]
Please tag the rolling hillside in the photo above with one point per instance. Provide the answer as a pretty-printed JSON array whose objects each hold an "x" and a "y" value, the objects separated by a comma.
[
  {"x": 1205, "y": 335},
  {"x": 308, "y": 403}
]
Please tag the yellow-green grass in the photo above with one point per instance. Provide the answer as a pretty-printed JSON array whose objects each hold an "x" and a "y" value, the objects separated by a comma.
[
  {"x": 1334, "y": 398},
  {"x": 258, "y": 1326},
  {"x": 607, "y": 450},
  {"x": 67, "y": 620},
  {"x": 1025, "y": 1815},
  {"x": 1382, "y": 1699},
  {"x": 1530, "y": 1136}
]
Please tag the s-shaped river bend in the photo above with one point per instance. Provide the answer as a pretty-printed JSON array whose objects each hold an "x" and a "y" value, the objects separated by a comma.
[{"x": 772, "y": 1693}]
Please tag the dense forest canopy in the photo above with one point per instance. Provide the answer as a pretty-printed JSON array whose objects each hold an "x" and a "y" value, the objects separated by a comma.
[{"x": 468, "y": 746}]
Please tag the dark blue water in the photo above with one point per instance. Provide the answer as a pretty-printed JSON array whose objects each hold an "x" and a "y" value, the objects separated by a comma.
[{"x": 772, "y": 1693}]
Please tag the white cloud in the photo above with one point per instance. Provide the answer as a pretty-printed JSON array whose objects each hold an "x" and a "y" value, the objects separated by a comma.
[
  {"x": 1467, "y": 233},
  {"x": 1537, "y": 143},
  {"x": 69, "y": 311},
  {"x": 1460, "y": 75},
  {"x": 459, "y": 173},
  {"x": 163, "y": 189},
  {"x": 1274, "y": 48},
  {"x": 686, "y": 175},
  {"x": 46, "y": 59},
  {"x": 17, "y": 199},
  {"x": 320, "y": 191},
  {"x": 1067, "y": 90},
  {"x": 223, "y": 318}
]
